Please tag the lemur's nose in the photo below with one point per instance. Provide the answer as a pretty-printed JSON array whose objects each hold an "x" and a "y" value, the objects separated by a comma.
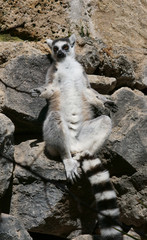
[{"x": 60, "y": 54}]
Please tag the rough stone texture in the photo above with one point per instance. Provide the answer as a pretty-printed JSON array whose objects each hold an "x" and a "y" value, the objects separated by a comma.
[
  {"x": 31, "y": 19},
  {"x": 19, "y": 76},
  {"x": 128, "y": 155},
  {"x": 103, "y": 85},
  {"x": 2, "y": 99},
  {"x": 10, "y": 50},
  {"x": 89, "y": 56},
  {"x": 121, "y": 68},
  {"x": 128, "y": 139},
  {"x": 12, "y": 229},
  {"x": 42, "y": 205},
  {"x": 6, "y": 153},
  {"x": 86, "y": 237},
  {"x": 107, "y": 23}
]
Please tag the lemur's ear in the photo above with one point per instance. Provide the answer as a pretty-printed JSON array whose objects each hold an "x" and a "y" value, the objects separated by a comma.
[
  {"x": 49, "y": 42},
  {"x": 72, "y": 40}
]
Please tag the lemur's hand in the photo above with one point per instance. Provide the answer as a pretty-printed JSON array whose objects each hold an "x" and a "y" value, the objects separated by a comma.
[
  {"x": 36, "y": 92},
  {"x": 111, "y": 106}
]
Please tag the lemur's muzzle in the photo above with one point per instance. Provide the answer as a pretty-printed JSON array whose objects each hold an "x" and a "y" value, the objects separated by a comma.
[{"x": 60, "y": 54}]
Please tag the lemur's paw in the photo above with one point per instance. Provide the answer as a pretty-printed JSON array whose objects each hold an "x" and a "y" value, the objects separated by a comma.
[
  {"x": 111, "y": 105},
  {"x": 83, "y": 155},
  {"x": 71, "y": 168},
  {"x": 35, "y": 92}
]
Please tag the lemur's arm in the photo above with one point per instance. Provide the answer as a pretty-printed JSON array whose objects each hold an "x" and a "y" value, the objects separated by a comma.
[
  {"x": 93, "y": 98},
  {"x": 96, "y": 99},
  {"x": 47, "y": 90}
]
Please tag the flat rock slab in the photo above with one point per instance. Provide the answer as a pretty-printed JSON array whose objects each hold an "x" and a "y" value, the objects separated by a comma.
[{"x": 103, "y": 85}]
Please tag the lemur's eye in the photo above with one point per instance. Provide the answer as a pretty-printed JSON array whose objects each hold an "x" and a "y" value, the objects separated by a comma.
[
  {"x": 65, "y": 47},
  {"x": 55, "y": 49}
]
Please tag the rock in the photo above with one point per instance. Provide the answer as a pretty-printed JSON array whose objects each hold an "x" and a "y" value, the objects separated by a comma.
[
  {"x": 92, "y": 21},
  {"x": 127, "y": 153},
  {"x": 6, "y": 154},
  {"x": 104, "y": 48},
  {"x": 10, "y": 50},
  {"x": 11, "y": 228},
  {"x": 20, "y": 75},
  {"x": 2, "y": 99},
  {"x": 128, "y": 138},
  {"x": 89, "y": 59},
  {"x": 120, "y": 68},
  {"x": 31, "y": 20},
  {"x": 86, "y": 237},
  {"x": 133, "y": 210},
  {"x": 103, "y": 85},
  {"x": 41, "y": 201},
  {"x": 132, "y": 235},
  {"x": 31, "y": 192}
]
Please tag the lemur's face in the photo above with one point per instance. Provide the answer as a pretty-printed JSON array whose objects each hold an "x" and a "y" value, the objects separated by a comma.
[{"x": 62, "y": 48}]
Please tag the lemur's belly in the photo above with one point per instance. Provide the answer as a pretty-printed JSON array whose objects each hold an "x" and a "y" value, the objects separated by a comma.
[
  {"x": 73, "y": 110},
  {"x": 73, "y": 106}
]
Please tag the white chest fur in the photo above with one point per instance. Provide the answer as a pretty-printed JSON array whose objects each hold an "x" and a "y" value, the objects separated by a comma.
[
  {"x": 69, "y": 71},
  {"x": 69, "y": 78}
]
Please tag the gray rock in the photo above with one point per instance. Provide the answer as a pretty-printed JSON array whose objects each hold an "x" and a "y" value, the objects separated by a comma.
[
  {"x": 20, "y": 75},
  {"x": 86, "y": 237},
  {"x": 12, "y": 229},
  {"x": 6, "y": 153},
  {"x": 2, "y": 99},
  {"x": 90, "y": 59},
  {"x": 128, "y": 139},
  {"x": 141, "y": 79},
  {"x": 126, "y": 154},
  {"x": 132, "y": 201},
  {"x": 39, "y": 196},
  {"x": 120, "y": 68}
]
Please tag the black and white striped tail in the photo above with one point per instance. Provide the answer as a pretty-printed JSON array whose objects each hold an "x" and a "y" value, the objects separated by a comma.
[{"x": 108, "y": 212}]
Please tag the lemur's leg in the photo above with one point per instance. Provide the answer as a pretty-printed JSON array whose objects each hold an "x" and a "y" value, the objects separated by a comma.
[
  {"x": 93, "y": 134},
  {"x": 56, "y": 136}
]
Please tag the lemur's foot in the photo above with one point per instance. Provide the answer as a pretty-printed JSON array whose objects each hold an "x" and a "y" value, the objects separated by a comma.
[
  {"x": 83, "y": 155},
  {"x": 71, "y": 168}
]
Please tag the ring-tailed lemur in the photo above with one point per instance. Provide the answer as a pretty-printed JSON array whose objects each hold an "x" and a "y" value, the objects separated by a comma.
[{"x": 71, "y": 131}]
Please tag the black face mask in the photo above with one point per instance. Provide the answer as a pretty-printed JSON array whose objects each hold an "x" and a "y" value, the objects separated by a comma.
[{"x": 60, "y": 54}]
